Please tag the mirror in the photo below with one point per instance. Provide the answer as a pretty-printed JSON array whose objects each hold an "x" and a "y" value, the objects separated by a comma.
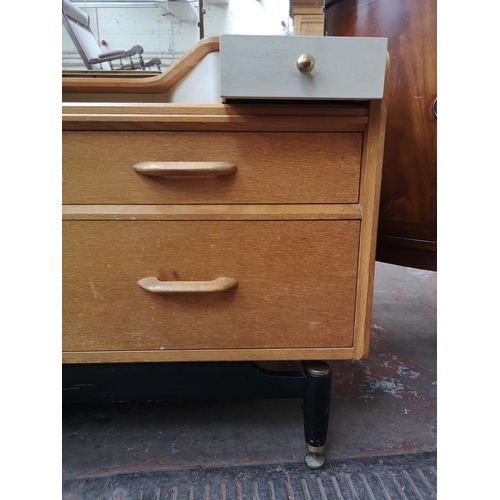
[{"x": 145, "y": 37}]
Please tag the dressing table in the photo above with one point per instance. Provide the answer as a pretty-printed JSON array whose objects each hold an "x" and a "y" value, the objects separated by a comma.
[{"x": 224, "y": 212}]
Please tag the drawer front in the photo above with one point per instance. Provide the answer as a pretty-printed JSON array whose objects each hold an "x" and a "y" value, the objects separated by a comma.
[
  {"x": 296, "y": 284},
  {"x": 270, "y": 167},
  {"x": 265, "y": 67}
]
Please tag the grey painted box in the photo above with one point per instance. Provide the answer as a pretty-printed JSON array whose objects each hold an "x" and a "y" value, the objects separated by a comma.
[{"x": 265, "y": 67}]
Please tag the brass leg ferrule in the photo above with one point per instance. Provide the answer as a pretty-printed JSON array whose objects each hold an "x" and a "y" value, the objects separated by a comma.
[{"x": 317, "y": 450}]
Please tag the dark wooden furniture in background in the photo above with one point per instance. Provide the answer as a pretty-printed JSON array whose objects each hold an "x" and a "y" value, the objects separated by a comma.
[{"x": 407, "y": 225}]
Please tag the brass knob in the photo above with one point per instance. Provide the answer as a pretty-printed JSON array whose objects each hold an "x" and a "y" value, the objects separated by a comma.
[{"x": 305, "y": 63}]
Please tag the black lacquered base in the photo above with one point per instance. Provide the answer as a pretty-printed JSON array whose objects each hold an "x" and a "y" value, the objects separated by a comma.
[{"x": 137, "y": 382}]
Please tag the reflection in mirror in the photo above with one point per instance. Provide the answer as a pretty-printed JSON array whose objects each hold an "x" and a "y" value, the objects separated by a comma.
[{"x": 144, "y": 37}]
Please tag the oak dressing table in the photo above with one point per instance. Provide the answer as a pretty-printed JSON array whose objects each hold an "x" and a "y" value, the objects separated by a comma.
[{"x": 225, "y": 211}]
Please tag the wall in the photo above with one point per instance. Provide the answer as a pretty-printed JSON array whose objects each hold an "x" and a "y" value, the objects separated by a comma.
[
  {"x": 248, "y": 17},
  {"x": 164, "y": 35}
]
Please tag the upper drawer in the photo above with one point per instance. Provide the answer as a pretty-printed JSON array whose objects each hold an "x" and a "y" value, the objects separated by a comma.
[
  {"x": 270, "y": 167},
  {"x": 265, "y": 67}
]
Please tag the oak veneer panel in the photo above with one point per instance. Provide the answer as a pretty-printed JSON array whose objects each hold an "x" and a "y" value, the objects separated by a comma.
[
  {"x": 272, "y": 167},
  {"x": 313, "y": 353},
  {"x": 211, "y": 212},
  {"x": 213, "y": 123},
  {"x": 297, "y": 285},
  {"x": 371, "y": 178},
  {"x": 308, "y": 22}
]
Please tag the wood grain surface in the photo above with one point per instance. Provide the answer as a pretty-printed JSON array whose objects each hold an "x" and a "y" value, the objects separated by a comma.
[
  {"x": 271, "y": 168},
  {"x": 371, "y": 179},
  {"x": 187, "y": 355},
  {"x": 301, "y": 354},
  {"x": 214, "y": 123},
  {"x": 294, "y": 225},
  {"x": 296, "y": 285},
  {"x": 264, "y": 116},
  {"x": 307, "y": 17},
  {"x": 408, "y": 205},
  {"x": 212, "y": 212}
]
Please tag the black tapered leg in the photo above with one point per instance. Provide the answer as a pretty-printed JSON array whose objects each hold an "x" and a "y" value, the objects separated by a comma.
[{"x": 316, "y": 410}]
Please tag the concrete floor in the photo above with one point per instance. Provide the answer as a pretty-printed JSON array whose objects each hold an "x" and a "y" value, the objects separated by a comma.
[{"x": 380, "y": 407}]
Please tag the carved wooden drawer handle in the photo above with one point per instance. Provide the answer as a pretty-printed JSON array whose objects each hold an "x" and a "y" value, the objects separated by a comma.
[
  {"x": 185, "y": 169},
  {"x": 154, "y": 285}
]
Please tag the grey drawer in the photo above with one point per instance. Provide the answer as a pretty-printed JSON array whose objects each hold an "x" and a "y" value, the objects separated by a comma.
[{"x": 265, "y": 67}]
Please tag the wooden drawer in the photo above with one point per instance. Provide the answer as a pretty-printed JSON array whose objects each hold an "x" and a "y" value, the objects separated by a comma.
[
  {"x": 296, "y": 284},
  {"x": 265, "y": 67},
  {"x": 271, "y": 167}
]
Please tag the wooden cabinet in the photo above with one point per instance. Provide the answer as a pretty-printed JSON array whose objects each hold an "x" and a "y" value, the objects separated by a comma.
[
  {"x": 307, "y": 16},
  {"x": 407, "y": 233},
  {"x": 273, "y": 260}
]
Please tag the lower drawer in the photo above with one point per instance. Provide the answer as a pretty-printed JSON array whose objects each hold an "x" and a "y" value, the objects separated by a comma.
[{"x": 296, "y": 284}]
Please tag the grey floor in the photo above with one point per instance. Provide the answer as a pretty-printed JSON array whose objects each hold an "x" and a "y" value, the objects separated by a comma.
[{"x": 381, "y": 408}]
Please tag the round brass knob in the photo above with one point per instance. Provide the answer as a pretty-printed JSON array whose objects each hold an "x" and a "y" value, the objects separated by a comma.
[{"x": 305, "y": 63}]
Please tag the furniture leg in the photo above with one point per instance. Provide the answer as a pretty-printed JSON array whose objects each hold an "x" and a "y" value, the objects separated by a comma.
[
  {"x": 316, "y": 410},
  {"x": 133, "y": 382}
]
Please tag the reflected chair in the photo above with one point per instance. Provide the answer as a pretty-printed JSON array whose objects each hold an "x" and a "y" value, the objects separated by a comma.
[{"x": 77, "y": 24}]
